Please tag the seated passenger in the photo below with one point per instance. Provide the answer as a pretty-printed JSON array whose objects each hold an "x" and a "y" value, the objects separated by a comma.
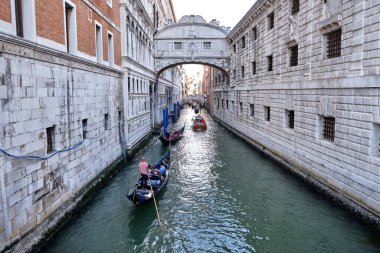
[{"x": 162, "y": 171}]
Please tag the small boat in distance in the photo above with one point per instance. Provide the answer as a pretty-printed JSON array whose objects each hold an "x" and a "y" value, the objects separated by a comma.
[
  {"x": 199, "y": 123},
  {"x": 171, "y": 137},
  {"x": 139, "y": 195}
]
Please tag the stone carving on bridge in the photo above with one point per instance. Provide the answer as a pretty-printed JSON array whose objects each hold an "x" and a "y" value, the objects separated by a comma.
[{"x": 208, "y": 45}]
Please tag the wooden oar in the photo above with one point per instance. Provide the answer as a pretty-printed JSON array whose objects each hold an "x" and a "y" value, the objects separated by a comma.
[{"x": 155, "y": 204}]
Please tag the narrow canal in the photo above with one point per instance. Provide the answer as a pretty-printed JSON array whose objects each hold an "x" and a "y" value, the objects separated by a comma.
[{"x": 222, "y": 196}]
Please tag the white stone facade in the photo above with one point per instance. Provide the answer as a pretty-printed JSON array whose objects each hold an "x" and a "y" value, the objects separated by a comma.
[
  {"x": 43, "y": 88},
  {"x": 345, "y": 88}
]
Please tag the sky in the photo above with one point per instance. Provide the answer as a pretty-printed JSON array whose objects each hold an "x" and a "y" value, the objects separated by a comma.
[{"x": 228, "y": 13}]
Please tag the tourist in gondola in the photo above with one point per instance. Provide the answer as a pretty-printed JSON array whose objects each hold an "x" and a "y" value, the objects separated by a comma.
[
  {"x": 144, "y": 172},
  {"x": 162, "y": 171}
]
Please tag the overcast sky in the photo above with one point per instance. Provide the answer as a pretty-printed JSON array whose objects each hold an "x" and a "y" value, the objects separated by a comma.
[{"x": 228, "y": 13}]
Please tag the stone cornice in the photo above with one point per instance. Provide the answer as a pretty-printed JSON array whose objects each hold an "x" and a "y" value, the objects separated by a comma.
[
  {"x": 38, "y": 52},
  {"x": 250, "y": 17}
]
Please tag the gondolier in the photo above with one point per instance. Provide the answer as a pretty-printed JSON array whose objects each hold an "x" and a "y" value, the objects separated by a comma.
[{"x": 144, "y": 172}]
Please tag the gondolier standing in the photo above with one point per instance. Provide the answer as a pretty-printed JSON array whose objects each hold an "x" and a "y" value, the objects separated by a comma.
[{"x": 144, "y": 171}]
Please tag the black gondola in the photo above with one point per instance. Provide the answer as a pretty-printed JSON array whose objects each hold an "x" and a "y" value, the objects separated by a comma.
[
  {"x": 138, "y": 195},
  {"x": 172, "y": 137}
]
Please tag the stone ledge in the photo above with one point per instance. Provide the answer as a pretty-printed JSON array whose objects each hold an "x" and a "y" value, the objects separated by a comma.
[{"x": 365, "y": 215}]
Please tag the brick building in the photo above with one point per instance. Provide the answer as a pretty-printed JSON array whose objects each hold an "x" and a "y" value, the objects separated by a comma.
[
  {"x": 66, "y": 102},
  {"x": 304, "y": 87}
]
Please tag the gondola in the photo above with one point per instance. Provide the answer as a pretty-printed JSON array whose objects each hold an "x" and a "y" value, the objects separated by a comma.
[
  {"x": 140, "y": 196},
  {"x": 199, "y": 123},
  {"x": 172, "y": 137}
]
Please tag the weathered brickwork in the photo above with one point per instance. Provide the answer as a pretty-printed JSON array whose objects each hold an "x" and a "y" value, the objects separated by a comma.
[
  {"x": 5, "y": 11},
  {"x": 40, "y": 92},
  {"x": 345, "y": 88}
]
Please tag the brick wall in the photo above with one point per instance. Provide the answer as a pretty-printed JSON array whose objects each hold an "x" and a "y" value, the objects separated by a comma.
[
  {"x": 346, "y": 88},
  {"x": 5, "y": 11}
]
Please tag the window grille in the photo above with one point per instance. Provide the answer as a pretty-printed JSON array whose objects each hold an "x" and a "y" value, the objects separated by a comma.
[
  {"x": 294, "y": 56},
  {"x": 177, "y": 45},
  {"x": 252, "y": 110},
  {"x": 270, "y": 62},
  {"x": 271, "y": 21},
  {"x": 50, "y": 139},
  {"x": 295, "y": 7},
  {"x": 329, "y": 128},
  {"x": 254, "y": 68},
  {"x": 84, "y": 129},
  {"x": 254, "y": 33},
  {"x": 267, "y": 113},
  {"x": 334, "y": 43},
  {"x": 207, "y": 45},
  {"x": 291, "y": 119}
]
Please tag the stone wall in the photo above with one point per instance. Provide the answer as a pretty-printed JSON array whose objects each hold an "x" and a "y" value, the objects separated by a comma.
[
  {"x": 345, "y": 88},
  {"x": 42, "y": 88}
]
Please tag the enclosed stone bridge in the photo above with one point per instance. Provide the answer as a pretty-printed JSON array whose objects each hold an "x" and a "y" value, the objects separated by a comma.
[{"x": 192, "y": 41}]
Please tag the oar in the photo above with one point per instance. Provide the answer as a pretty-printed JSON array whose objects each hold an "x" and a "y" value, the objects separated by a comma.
[{"x": 155, "y": 204}]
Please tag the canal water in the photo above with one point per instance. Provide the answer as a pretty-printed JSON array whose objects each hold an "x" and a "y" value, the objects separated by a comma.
[{"x": 222, "y": 196}]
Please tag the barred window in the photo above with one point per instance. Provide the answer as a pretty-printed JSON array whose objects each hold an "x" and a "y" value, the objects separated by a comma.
[
  {"x": 295, "y": 6},
  {"x": 254, "y": 68},
  {"x": 270, "y": 62},
  {"x": 293, "y": 55},
  {"x": 177, "y": 45},
  {"x": 329, "y": 128},
  {"x": 84, "y": 129},
  {"x": 267, "y": 113},
  {"x": 254, "y": 33},
  {"x": 252, "y": 110},
  {"x": 50, "y": 133},
  {"x": 207, "y": 45},
  {"x": 243, "y": 42},
  {"x": 271, "y": 21},
  {"x": 242, "y": 72},
  {"x": 334, "y": 43},
  {"x": 289, "y": 116}
]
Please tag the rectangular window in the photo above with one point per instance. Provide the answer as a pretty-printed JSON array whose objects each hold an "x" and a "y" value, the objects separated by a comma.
[
  {"x": 222, "y": 103},
  {"x": 293, "y": 56},
  {"x": 271, "y": 21},
  {"x": 106, "y": 121},
  {"x": 234, "y": 73},
  {"x": 270, "y": 62},
  {"x": 375, "y": 140},
  {"x": 295, "y": 6},
  {"x": 334, "y": 43},
  {"x": 254, "y": 33},
  {"x": 50, "y": 133},
  {"x": 19, "y": 20},
  {"x": 252, "y": 110},
  {"x": 207, "y": 45},
  {"x": 329, "y": 128},
  {"x": 177, "y": 45},
  {"x": 241, "y": 108},
  {"x": 218, "y": 103},
  {"x": 69, "y": 27},
  {"x": 243, "y": 42},
  {"x": 234, "y": 48},
  {"x": 99, "y": 43},
  {"x": 254, "y": 68},
  {"x": 242, "y": 72},
  {"x": 129, "y": 84},
  {"x": 227, "y": 104},
  {"x": 289, "y": 118},
  {"x": 267, "y": 113},
  {"x": 84, "y": 129},
  {"x": 224, "y": 78},
  {"x": 110, "y": 50}
]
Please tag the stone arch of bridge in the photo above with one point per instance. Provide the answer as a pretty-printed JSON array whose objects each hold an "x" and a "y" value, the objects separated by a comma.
[{"x": 192, "y": 41}]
